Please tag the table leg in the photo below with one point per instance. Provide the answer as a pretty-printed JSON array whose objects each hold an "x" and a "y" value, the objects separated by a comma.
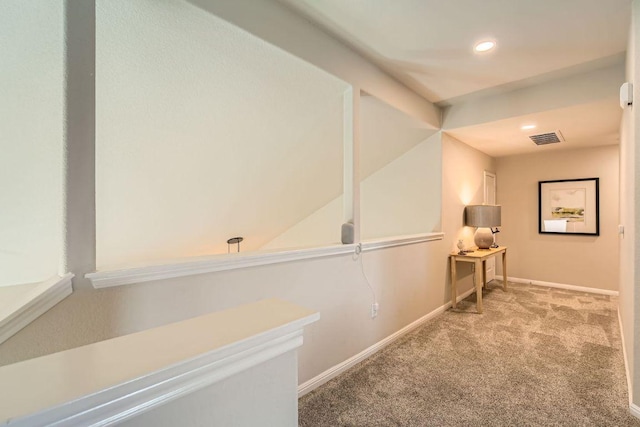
[
  {"x": 478, "y": 267},
  {"x": 454, "y": 284},
  {"x": 484, "y": 273},
  {"x": 504, "y": 270}
]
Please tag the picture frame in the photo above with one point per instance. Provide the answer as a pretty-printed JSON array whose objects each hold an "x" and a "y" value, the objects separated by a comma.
[{"x": 569, "y": 206}]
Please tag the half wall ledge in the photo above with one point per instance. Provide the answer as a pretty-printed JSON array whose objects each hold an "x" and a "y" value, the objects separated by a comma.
[
  {"x": 115, "y": 380},
  {"x": 192, "y": 266}
]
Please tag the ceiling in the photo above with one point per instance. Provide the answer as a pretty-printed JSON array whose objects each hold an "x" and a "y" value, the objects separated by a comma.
[
  {"x": 428, "y": 45},
  {"x": 505, "y": 137}
]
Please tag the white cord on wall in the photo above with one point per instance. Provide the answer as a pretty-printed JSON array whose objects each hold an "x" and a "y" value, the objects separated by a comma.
[{"x": 374, "y": 304}]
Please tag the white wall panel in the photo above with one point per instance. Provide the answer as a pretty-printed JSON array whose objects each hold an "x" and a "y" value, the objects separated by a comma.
[
  {"x": 31, "y": 139},
  {"x": 205, "y": 132},
  {"x": 401, "y": 179}
]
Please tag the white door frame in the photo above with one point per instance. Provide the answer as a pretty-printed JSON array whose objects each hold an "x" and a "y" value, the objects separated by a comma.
[
  {"x": 486, "y": 175},
  {"x": 488, "y": 178}
]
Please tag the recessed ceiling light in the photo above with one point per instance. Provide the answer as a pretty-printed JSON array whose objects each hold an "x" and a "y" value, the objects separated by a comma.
[
  {"x": 484, "y": 46},
  {"x": 528, "y": 127}
]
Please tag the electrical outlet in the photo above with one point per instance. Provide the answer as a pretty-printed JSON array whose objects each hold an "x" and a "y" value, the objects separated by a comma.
[{"x": 374, "y": 309}]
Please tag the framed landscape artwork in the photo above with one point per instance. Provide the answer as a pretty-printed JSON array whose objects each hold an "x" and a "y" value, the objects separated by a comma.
[{"x": 569, "y": 206}]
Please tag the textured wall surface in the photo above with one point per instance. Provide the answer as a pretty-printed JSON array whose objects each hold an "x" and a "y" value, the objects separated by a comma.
[
  {"x": 205, "y": 132},
  {"x": 31, "y": 140}
]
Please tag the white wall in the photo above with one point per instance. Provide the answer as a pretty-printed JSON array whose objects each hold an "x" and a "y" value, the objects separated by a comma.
[
  {"x": 401, "y": 198},
  {"x": 314, "y": 230},
  {"x": 568, "y": 91},
  {"x": 405, "y": 196},
  {"x": 205, "y": 132},
  {"x": 629, "y": 191},
  {"x": 589, "y": 261},
  {"x": 400, "y": 173},
  {"x": 410, "y": 280},
  {"x": 264, "y": 395},
  {"x": 31, "y": 140},
  {"x": 272, "y": 21}
]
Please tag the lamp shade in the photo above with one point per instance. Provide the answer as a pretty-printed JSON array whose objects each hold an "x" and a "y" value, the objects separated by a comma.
[{"x": 482, "y": 215}]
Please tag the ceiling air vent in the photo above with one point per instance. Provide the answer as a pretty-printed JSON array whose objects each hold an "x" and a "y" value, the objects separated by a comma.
[{"x": 547, "y": 138}]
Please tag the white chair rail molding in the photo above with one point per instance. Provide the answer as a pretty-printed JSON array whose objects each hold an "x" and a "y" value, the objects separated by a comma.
[
  {"x": 22, "y": 304},
  {"x": 203, "y": 371}
]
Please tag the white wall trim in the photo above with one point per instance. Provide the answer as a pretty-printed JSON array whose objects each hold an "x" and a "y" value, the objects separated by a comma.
[
  {"x": 390, "y": 242},
  {"x": 626, "y": 361},
  {"x": 17, "y": 314},
  {"x": 189, "y": 267},
  {"x": 563, "y": 286},
  {"x": 111, "y": 404},
  {"x": 633, "y": 408},
  {"x": 338, "y": 369}
]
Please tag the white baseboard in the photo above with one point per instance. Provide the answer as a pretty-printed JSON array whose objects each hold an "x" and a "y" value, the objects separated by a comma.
[
  {"x": 563, "y": 286},
  {"x": 336, "y": 370},
  {"x": 633, "y": 408},
  {"x": 626, "y": 361}
]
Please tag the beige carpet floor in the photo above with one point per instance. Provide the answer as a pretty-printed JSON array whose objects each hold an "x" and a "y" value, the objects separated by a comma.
[{"x": 536, "y": 357}]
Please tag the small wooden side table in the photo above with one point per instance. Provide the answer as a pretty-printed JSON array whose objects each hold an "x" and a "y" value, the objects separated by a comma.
[{"x": 479, "y": 258}]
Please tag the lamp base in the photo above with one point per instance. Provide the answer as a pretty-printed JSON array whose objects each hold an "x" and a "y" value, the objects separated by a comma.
[{"x": 483, "y": 238}]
